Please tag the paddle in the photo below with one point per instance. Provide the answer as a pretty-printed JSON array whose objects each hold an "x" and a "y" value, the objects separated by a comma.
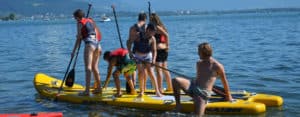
[
  {"x": 218, "y": 90},
  {"x": 149, "y": 9},
  {"x": 71, "y": 75},
  {"x": 117, "y": 25},
  {"x": 120, "y": 39}
]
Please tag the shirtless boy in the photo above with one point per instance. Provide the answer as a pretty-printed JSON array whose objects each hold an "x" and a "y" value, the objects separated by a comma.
[{"x": 200, "y": 89}]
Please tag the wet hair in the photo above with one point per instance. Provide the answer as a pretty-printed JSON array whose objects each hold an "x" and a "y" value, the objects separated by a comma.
[
  {"x": 156, "y": 20},
  {"x": 151, "y": 27},
  {"x": 142, "y": 17},
  {"x": 205, "y": 50},
  {"x": 106, "y": 55},
  {"x": 78, "y": 13}
]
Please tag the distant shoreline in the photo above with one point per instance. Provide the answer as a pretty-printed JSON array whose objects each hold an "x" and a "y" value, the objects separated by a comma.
[
  {"x": 97, "y": 14},
  {"x": 197, "y": 12}
]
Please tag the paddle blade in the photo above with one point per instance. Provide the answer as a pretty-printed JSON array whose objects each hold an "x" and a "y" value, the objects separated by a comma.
[{"x": 70, "y": 78}]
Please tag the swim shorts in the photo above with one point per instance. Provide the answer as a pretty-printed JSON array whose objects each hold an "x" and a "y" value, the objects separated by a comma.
[
  {"x": 128, "y": 66},
  {"x": 196, "y": 90},
  {"x": 92, "y": 40},
  {"x": 145, "y": 58},
  {"x": 162, "y": 56}
]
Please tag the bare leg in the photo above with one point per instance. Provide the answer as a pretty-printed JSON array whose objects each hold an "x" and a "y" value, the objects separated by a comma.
[
  {"x": 129, "y": 80},
  {"x": 199, "y": 104},
  {"x": 178, "y": 84},
  {"x": 134, "y": 78},
  {"x": 88, "y": 56},
  {"x": 95, "y": 69},
  {"x": 153, "y": 79},
  {"x": 141, "y": 74},
  {"x": 145, "y": 79},
  {"x": 116, "y": 75},
  {"x": 159, "y": 77},
  {"x": 167, "y": 76}
]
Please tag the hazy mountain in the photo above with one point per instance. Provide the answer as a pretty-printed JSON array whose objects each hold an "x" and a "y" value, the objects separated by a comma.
[
  {"x": 123, "y": 8},
  {"x": 55, "y": 7}
]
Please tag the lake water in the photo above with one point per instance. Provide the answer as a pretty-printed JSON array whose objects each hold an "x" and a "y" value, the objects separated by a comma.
[{"x": 260, "y": 53}]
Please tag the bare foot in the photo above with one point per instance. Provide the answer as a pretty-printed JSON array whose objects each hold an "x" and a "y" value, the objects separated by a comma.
[
  {"x": 161, "y": 91},
  {"x": 140, "y": 95},
  {"x": 95, "y": 85},
  {"x": 169, "y": 90},
  {"x": 159, "y": 95},
  {"x": 133, "y": 92},
  {"x": 97, "y": 91},
  {"x": 118, "y": 95}
]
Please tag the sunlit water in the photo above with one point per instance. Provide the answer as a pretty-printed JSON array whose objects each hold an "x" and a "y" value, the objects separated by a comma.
[{"x": 260, "y": 52}]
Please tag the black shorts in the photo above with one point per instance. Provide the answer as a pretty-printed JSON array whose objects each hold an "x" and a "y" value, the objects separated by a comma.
[{"x": 162, "y": 55}]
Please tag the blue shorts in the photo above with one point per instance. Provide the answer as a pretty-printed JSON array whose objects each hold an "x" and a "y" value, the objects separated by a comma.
[
  {"x": 91, "y": 40},
  {"x": 146, "y": 58}
]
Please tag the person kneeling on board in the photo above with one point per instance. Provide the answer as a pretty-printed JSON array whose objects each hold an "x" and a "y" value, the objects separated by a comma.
[{"x": 119, "y": 58}]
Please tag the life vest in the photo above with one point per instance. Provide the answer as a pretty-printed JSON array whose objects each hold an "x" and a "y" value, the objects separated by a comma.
[
  {"x": 124, "y": 63},
  {"x": 160, "y": 38},
  {"x": 119, "y": 52},
  {"x": 141, "y": 46},
  {"x": 89, "y": 28}
]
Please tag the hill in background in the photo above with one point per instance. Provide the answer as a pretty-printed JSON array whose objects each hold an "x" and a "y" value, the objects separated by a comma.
[
  {"x": 42, "y": 7},
  {"x": 64, "y": 8}
]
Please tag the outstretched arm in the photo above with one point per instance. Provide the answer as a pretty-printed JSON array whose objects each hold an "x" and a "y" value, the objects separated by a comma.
[
  {"x": 154, "y": 53},
  {"x": 78, "y": 39},
  {"x": 109, "y": 72},
  {"x": 221, "y": 72},
  {"x": 130, "y": 40}
]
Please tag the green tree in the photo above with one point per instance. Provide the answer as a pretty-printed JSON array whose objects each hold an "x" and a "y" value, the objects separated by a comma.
[{"x": 12, "y": 16}]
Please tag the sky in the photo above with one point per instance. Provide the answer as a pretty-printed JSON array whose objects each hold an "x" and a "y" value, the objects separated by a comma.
[{"x": 206, "y": 5}]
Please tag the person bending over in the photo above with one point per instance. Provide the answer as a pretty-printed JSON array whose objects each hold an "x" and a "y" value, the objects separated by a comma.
[{"x": 119, "y": 58}]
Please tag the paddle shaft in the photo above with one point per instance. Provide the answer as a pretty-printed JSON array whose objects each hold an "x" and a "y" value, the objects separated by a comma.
[
  {"x": 220, "y": 91},
  {"x": 149, "y": 10},
  {"x": 117, "y": 25},
  {"x": 179, "y": 74},
  {"x": 60, "y": 88},
  {"x": 120, "y": 39}
]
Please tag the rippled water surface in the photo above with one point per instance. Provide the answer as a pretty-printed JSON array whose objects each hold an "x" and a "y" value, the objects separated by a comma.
[{"x": 260, "y": 52}]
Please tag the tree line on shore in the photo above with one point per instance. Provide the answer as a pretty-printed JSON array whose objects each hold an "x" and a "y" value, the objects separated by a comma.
[{"x": 11, "y": 16}]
